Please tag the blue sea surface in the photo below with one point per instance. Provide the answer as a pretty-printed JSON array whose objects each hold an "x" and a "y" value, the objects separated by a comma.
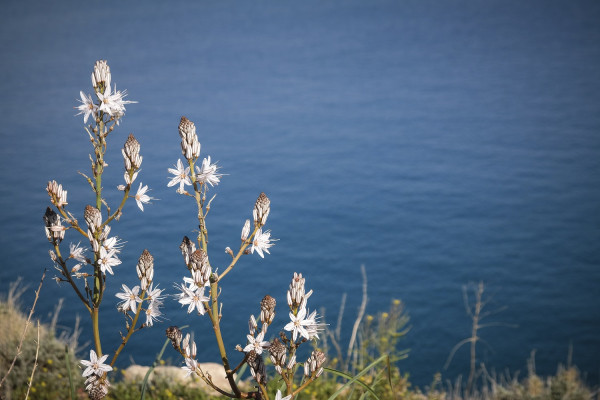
[{"x": 436, "y": 143}]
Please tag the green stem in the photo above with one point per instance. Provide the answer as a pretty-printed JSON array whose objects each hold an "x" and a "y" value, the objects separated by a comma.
[
  {"x": 129, "y": 332},
  {"x": 96, "y": 329},
  {"x": 216, "y": 326},
  {"x": 239, "y": 254}
]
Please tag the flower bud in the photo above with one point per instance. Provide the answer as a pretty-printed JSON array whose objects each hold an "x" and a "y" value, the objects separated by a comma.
[
  {"x": 277, "y": 352},
  {"x": 190, "y": 147},
  {"x": 257, "y": 367},
  {"x": 262, "y": 207},
  {"x": 131, "y": 153},
  {"x": 101, "y": 76},
  {"x": 200, "y": 267},
  {"x": 93, "y": 217},
  {"x": 267, "y": 309},
  {"x": 145, "y": 269},
  {"x": 58, "y": 196},
  {"x": 314, "y": 364},
  {"x": 246, "y": 230}
]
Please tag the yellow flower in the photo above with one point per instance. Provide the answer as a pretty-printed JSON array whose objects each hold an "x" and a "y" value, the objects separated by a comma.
[
  {"x": 369, "y": 318},
  {"x": 49, "y": 361},
  {"x": 396, "y": 302},
  {"x": 384, "y": 315}
]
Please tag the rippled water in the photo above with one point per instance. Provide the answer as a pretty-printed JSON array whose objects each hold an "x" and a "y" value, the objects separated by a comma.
[{"x": 435, "y": 143}]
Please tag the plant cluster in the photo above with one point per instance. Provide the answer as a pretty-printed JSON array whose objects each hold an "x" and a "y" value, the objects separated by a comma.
[{"x": 88, "y": 271}]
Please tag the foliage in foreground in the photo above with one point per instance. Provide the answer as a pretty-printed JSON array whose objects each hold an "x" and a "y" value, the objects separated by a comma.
[{"x": 376, "y": 332}]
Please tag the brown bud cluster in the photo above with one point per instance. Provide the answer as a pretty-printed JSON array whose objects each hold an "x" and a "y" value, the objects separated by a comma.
[
  {"x": 54, "y": 228},
  {"x": 131, "y": 153},
  {"x": 262, "y": 207},
  {"x": 267, "y": 309},
  {"x": 190, "y": 147},
  {"x": 145, "y": 269},
  {"x": 314, "y": 364},
  {"x": 175, "y": 335},
  {"x": 200, "y": 267},
  {"x": 58, "y": 196},
  {"x": 187, "y": 247}
]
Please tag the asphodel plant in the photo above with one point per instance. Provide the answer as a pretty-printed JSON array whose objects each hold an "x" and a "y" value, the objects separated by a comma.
[{"x": 88, "y": 271}]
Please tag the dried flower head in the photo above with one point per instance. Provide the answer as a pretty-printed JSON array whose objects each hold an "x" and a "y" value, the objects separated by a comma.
[
  {"x": 187, "y": 247},
  {"x": 54, "y": 228},
  {"x": 174, "y": 333},
  {"x": 257, "y": 367},
  {"x": 145, "y": 269},
  {"x": 262, "y": 207}
]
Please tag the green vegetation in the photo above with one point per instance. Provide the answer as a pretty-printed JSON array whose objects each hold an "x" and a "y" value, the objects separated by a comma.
[{"x": 372, "y": 363}]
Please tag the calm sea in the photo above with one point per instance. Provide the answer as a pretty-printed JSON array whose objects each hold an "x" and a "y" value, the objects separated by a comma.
[{"x": 437, "y": 143}]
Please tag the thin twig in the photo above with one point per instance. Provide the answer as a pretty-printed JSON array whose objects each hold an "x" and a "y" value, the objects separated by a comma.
[
  {"x": 37, "y": 351},
  {"x": 37, "y": 295},
  {"x": 361, "y": 313}
]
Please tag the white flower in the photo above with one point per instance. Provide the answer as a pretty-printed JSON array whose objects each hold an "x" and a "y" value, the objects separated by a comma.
[
  {"x": 87, "y": 107},
  {"x": 257, "y": 344},
  {"x": 153, "y": 295},
  {"x": 278, "y": 396},
  {"x": 181, "y": 176},
  {"x": 190, "y": 366},
  {"x": 113, "y": 104},
  {"x": 77, "y": 252},
  {"x": 113, "y": 244},
  {"x": 108, "y": 259},
  {"x": 194, "y": 298},
  {"x": 262, "y": 242},
  {"x": 313, "y": 327},
  {"x": 130, "y": 298},
  {"x": 141, "y": 197},
  {"x": 152, "y": 312},
  {"x": 297, "y": 324},
  {"x": 95, "y": 365},
  {"x": 208, "y": 173}
]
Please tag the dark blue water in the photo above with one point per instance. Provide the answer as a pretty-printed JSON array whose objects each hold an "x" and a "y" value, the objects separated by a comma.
[{"x": 437, "y": 143}]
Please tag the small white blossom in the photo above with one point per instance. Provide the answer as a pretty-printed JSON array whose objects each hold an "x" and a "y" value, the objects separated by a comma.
[
  {"x": 193, "y": 298},
  {"x": 130, "y": 298},
  {"x": 208, "y": 173},
  {"x": 181, "y": 176},
  {"x": 257, "y": 344},
  {"x": 152, "y": 313},
  {"x": 262, "y": 242},
  {"x": 153, "y": 295},
  {"x": 95, "y": 365},
  {"x": 108, "y": 260},
  {"x": 246, "y": 230},
  {"x": 129, "y": 180},
  {"x": 298, "y": 324},
  {"x": 113, "y": 103},
  {"x": 77, "y": 252},
  {"x": 87, "y": 107},
  {"x": 141, "y": 197}
]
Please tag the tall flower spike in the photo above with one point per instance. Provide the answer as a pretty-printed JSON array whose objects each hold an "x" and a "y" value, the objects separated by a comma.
[
  {"x": 58, "y": 196},
  {"x": 131, "y": 153},
  {"x": 187, "y": 247},
  {"x": 190, "y": 147},
  {"x": 262, "y": 207},
  {"x": 93, "y": 217},
  {"x": 267, "y": 309},
  {"x": 145, "y": 269},
  {"x": 101, "y": 76}
]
